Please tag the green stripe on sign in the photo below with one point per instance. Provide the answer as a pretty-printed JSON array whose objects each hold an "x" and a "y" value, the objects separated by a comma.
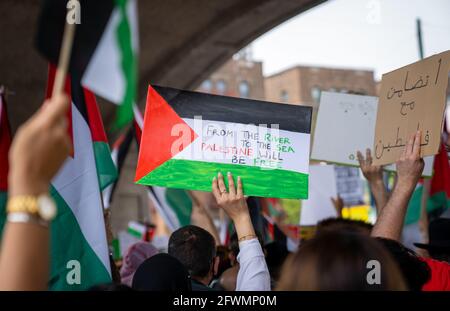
[
  {"x": 68, "y": 243},
  {"x": 106, "y": 170},
  {"x": 256, "y": 181}
]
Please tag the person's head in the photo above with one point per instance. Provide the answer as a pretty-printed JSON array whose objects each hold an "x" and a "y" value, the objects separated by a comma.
[
  {"x": 161, "y": 272},
  {"x": 134, "y": 257},
  {"x": 228, "y": 279},
  {"x": 195, "y": 248},
  {"x": 341, "y": 224},
  {"x": 415, "y": 271},
  {"x": 439, "y": 240},
  {"x": 341, "y": 260}
]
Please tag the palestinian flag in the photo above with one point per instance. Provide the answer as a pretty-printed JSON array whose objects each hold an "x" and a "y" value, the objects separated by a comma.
[
  {"x": 173, "y": 205},
  {"x": 78, "y": 231},
  {"x": 179, "y": 150},
  {"x": 5, "y": 143},
  {"x": 440, "y": 183},
  {"x": 439, "y": 191},
  {"x": 104, "y": 53}
]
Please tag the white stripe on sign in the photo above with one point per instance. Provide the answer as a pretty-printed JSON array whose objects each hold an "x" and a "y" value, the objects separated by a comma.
[{"x": 248, "y": 145}]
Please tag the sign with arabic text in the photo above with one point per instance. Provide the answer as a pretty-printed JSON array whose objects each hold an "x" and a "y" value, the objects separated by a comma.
[{"x": 412, "y": 98}]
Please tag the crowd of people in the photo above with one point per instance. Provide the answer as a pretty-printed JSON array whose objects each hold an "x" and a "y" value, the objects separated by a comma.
[{"x": 343, "y": 254}]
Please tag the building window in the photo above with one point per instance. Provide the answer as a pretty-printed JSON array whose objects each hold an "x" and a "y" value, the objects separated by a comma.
[
  {"x": 284, "y": 96},
  {"x": 221, "y": 87},
  {"x": 244, "y": 89},
  {"x": 315, "y": 93},
  {"x": 206, "y": 85}
]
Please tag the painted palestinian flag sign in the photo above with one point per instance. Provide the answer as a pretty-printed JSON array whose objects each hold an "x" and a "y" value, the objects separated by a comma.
[{"x": 189, "y": 137}]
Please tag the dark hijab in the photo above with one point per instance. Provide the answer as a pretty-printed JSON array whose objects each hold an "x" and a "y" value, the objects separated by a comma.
[{"x": 161, "y": 272}]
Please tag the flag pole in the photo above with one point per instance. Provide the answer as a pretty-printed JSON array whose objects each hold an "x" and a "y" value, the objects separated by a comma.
[{"x": 64, "y": 58}]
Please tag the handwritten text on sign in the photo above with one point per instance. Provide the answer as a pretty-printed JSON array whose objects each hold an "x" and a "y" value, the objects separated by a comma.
[
  {"x": 412, "y": 98},
  {"x": 247, "y": 144}
]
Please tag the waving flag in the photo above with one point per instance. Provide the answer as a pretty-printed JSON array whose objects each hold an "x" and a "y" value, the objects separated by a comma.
[
  {"x": 104, "y": 53},
  {"x": 78, "y": 231},
  {"x": 180, "y": 151}
]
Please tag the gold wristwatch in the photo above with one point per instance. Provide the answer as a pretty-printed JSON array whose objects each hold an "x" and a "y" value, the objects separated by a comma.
[{"x": 31, "y": 209}]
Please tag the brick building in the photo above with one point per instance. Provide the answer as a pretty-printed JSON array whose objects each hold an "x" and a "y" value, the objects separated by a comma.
[
  {"x": 303, "y": 84},
  {"x": 239, "y": 77}
]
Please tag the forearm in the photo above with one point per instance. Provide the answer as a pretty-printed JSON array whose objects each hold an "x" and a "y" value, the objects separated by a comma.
[
  {"x": 202, "y": 219},
  {"x": 244, "y": 227},
  {"x": 253, "y": 273},
  {"x": 379, "y": 193},
  {"x": 390, "y": 220},
  {"x": 24, "y": 257}
]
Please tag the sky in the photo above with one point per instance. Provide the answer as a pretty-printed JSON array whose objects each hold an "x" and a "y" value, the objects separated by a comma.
[{"x": 367, "y": 34}]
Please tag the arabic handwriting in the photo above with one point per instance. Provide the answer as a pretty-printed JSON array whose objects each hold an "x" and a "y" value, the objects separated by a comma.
[
  {"x": 399, "y": 93},
  {"x": 405, "y": 105},
  {"x": 439, "y": 69},
  {"x": 398, "y": 144}
]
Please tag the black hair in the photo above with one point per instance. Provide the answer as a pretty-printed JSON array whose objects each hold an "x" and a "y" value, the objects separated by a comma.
[
  {"x": 341, "y": 224},
  {"x": 416, "y": 272},
  {"x": 195, "y": 248}
]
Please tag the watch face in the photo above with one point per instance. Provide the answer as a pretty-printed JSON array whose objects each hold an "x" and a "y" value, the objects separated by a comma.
[{"x": 47, "y": 208}]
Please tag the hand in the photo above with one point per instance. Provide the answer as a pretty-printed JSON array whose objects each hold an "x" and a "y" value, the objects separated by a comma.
[
  {"x": 338, "y": 204},
  {"x": 410, "y": 165},
  {"x": 235, "y": 205},
  {"x": 371, "y": 172},
  {"x": 39, "y": 149},
  {"x": 233, "y": 202}
]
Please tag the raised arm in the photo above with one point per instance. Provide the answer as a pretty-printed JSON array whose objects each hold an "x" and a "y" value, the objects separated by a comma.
[
  {"x": 201, "y": 218},
  {"x": 409, "y": 169},
  {"x": 40, "y": 147},
  {"x": 253, "y": 272},
  {"x": 374, "y": 175}
]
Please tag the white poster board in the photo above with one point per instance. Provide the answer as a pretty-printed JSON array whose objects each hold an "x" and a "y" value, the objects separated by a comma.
[
  {"x": 322, "y": 187},
  {"x": 345, "y": 124}
]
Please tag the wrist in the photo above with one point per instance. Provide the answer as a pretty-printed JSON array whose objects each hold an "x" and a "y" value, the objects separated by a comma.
[
  {"x": 21, "y": 184},
  {"x": 244, "y": 226}
]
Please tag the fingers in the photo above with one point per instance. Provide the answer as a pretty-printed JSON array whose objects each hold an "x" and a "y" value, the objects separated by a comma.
[
  {"x": 222, "y": 187},
  {"x": 231, "y": 187},
  {"x": 240, "y": 190},
  {"x": 215, "y": 189},
  {"x": 55, "y": 110},
  {"x": 360, "y": 157},
  {"x": 368, "y": 156},
  {"x": 416, "y": 145},
  {"x": 409, "y": 146}
]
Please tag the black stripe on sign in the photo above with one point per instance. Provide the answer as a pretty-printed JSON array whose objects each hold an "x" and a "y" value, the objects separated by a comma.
[{"x": 189, "y": 104}]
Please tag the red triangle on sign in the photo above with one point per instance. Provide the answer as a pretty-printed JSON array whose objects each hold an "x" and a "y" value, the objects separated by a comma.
[{"x": 158, "y": 135}]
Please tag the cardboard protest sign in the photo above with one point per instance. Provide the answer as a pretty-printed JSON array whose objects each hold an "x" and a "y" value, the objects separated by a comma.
[
  {"x": 411, "y": 98},
  {"x": 345, "y": 124},
  {"x": 189, "y": 137},
  {"x": 322, "y": 187}
]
